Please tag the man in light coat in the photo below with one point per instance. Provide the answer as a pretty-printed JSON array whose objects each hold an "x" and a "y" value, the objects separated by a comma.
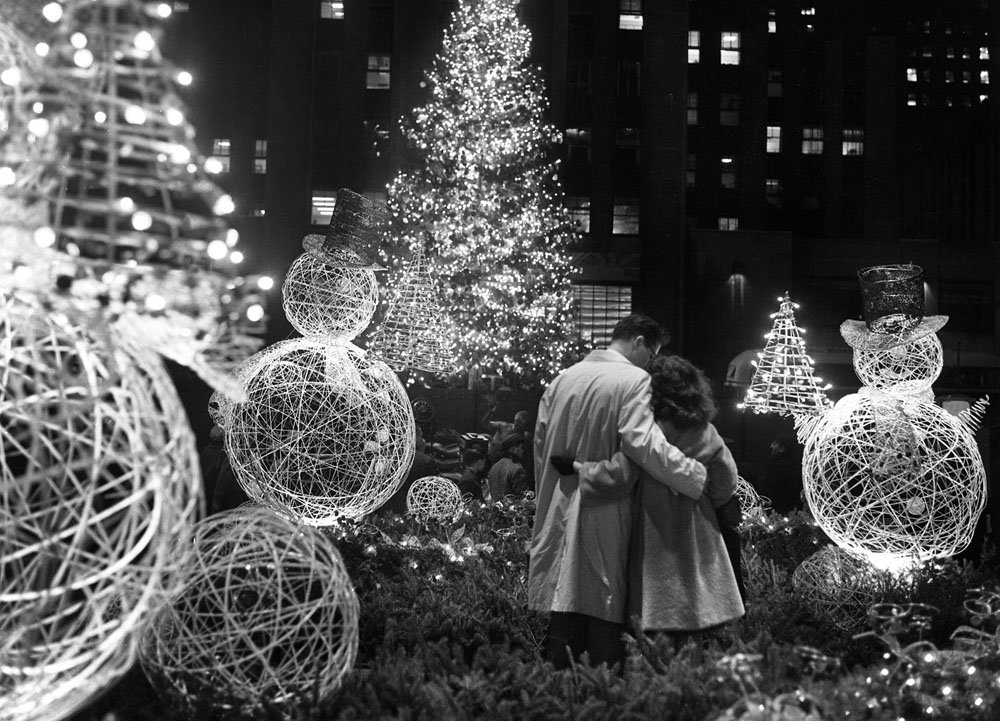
[{"x": 579, "y": 545}]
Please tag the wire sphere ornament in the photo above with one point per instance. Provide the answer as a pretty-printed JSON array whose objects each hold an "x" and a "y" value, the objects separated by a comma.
[
  {"x": 837, "y": 586},
  {"x": 894, "y": 479},
  {"x": 326, "y": 432},
  {"x": 433, "y": 498},
  {"x": 752, "y": 503},
  {"x": 321, "y": 297},
  {"x": 100, "y": 476},
  {"x": 262, "y": 612},
  {"x": 909, "y": 369}
]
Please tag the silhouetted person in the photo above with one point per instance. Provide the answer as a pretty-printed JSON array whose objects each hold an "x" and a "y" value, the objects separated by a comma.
[{"x": 782, "y": 478}]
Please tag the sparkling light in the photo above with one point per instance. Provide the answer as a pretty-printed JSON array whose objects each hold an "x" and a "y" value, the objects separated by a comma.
[
  {"x": 52, "y": 12},
  {"x": 174, "y": 116},
  {"x": 11, "y": 76},
  {"x": 144, "y": 41},
  {"x": 217, "y": 250},
  {"x": 42, "y": 49},
  {"x": 135, "y": 114},
  {"x": 141, "y": 220},
  {"x": 236, "y": 257},
  {"x": 164, "y": 10},
  {"x": 38, "y": 127},
  {"x": 83, "y": 58},
  {"x": 184, "y": 77},
  {"x": 224, "y": 205},
  {"x": 45, "y": 237},
  {"x": 78, "y": 41},
  {"x": 265, "y": 282},
  {"x": 232, "y": 237},
  {"x": 255, "y": 312},
  {"x": 213, "y": 166},
  {"x": 100, "y": 116}
]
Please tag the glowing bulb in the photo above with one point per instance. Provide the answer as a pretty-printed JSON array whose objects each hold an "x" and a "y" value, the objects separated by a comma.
[
  {"x": 141, "y": 220},
  {"x": 213, "y": 166},
  {"x": 11, "y": 76},
  {"x": 236, "y": 257},
  {"x": 164, "y": 10},
  {"x": 144, "y": 41},
  {"x": 191, "y": 167},
  {"x": 126, "y": 204},
  {"x": 232, "y": 237},
  {"x": 52, "y": 12},
  {"x": 135, "y": 115},
  {"x": 255, "y": 312},
  {"x": 155, "y": 302},
  {"x": 100, "y": 116},
  {"x": 217, "y": 249},
  {"x": 184, "y": 77},
  {"x": 83, "y": 58},
  {"x": 180, "y": 154},
  {"x": 174, "y": 116},
  {"x": 78, "y": 40},
  {"x": 265, "y": 282},
  {"x": 23, "y": 273},
  {"x": 45, "y": 237},
  {"x": 42, "y": 49},
  {"x": 38, "y": 127},
  {"x": 223, "y": 206},
  {"x": 37, "y": 107},
  {"x": 7, "y": 176}
]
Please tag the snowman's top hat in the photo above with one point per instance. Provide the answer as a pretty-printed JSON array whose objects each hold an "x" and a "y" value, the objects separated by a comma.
[
  {"x": 893, "y": 304},
  {"x": 353, "y": 237}
]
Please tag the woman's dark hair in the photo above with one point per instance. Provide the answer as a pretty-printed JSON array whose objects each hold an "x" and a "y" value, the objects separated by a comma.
[{"x": 682, "y": 393}]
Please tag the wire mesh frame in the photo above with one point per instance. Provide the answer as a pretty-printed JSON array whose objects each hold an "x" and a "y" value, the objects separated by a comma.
[
  {"x": 326, "y": 431},
  {"x": 322, "y": 298},
  {"x": 893, "y": 478},
  {"x": 100, "y": 476},
  {"x": 910, "y": 368},
  {"x": 434, "y": 498},
  {"x": 414, "y": 332},
  {"x": 837, "y": 586},
  {"x": 262, "y": 612}
]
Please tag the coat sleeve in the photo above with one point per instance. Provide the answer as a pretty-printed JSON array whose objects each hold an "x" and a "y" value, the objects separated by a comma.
[
  {"x": 644, "y": 442},
  {"x": 722, "y": 477},
  {"x": 613, "y": 478},
  {"x": 541, "y": 428}
]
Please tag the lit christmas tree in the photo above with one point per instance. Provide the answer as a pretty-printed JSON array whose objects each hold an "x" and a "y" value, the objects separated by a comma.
[
  {"x": 131, "y": 227},
  {"x": 483, "y": 200},
  {"x": 784, "y": 382}
]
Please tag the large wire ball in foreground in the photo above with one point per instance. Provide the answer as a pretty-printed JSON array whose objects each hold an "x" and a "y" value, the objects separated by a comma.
[
  {"x": 910, "y": 368},
  {"x": 837, "y": 586},
  {"x": 894, "y": 479},
  {"x": 326, "y": 431},
  {"x": 262, "y": 613},
  {"x": 100, "y": 476},
  {"x": 433, "y": 498},
  {"x": 321, "y": 298}
]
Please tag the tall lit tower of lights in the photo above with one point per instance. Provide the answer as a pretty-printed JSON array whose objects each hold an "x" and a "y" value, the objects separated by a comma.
[
  {"x": 132, "y": 230},
  {"x": 783, "y": 381},
  {"x": 483, "y": 199}
]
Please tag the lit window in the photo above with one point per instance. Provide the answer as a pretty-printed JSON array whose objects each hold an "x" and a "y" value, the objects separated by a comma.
[
  {"x": 949, "y": 76},
  {"x": 578, "y": 145},
  {"x": 926, "y": 52},
  {"x": 983, "y": 97},
  {"x": 626, "y": 217},
  {"x": 630, "y": 15},
  {"x": 911, "y": 75},
  {"x": 378, "y": 72},
  {"x": 730, "y": 52},
  {"x": 728, "y": 175},
  {"x": 772, "y": 26},
  {"x": 258, "y": 212},
  {"x": 221, "y": 149},
  {"x": 221, "y": 146},
  {"x": 729, "y": 109},
  {"x": 812, "y": 140},
  {"x": 692, "y": 109},
  {"x": 808, "y": 11},
  {"x": 966, "y": 76},
  {"x": 331, "y": 9},
  {"x": 774, "y": 84},
  {"x": 965, "y": 54},
  {"x": 949, "y": 101},
  {"x": 694, "y": 46},
  {"x": 689, "y": 170},
  {"x": 774, "y": 138},
  {"x": 260, "y": 157},
  {"x": 772, "y": 190},
  {"x": 322, "y": 206},
  {"x": 911, "y": 100},
  {"x": 628, "y": 79},
  {"x": 181, "y": 7},
  {"x": 729, "y": 223},
  {"x": 984, "y": 53},
  {"x": 950, "y": 53},
  {"x": 599, "y": 308},
  {"x": 984, "y": 77},
  {"x": 854, "y": 141},
  {"x": 927, "y": 27},
  {"x": 578, "y": 209}
]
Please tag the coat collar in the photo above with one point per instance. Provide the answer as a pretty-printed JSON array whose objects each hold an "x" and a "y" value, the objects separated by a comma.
[{"x": 606, "y": 356}]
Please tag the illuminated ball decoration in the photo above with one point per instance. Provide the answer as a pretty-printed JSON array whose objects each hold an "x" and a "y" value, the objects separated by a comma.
[
  {"x": 910, "y": 368},
  {"x": 894, "y": 479},
  {"x": 262, "y": 613},
  {"x": 837, "y": 586},
  {"x": 100, "y": 478},
  {"x": 434, "y": 498},
  {"x": 752, "y": 503},
  {"x": 320, "y": 298},
  {"x": 325, "y": 431}
]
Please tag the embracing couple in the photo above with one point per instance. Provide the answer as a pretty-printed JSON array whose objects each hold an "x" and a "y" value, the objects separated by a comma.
[{"x": 633, "y": 488}]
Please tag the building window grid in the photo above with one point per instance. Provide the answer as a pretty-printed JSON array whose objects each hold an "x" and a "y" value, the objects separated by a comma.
[
  {"x": 774, "y": 138},
  {"x": 578, "y": 145},
  {"x": 578, "y": 210},
  {"x": 599, "y": 308},
  {"x": 984, "y": 77},
  {"x": 322, "y": 206},
  {"x": 984, "y": 52},
  {"x": 774, "y": 86},
  {"x": 625, "y": 220},
  {"x": 221, "y": 154},
  {"x": 379, "y": 71},
  {"x": 629, "y": 79},
  {"x": 694, "y": 46},
  {"x": 331, "y": 9},
  {"x": 578, "y": 73},
  {"x": 853, "y": 142},
  {"x": 729, "y": 223},
  {"x": 729, "y": 109},
  {"x": 729, "y": 53},
  {"x": 911, "y": 75},
  {"x": 812, "y": 140},
  {"x": 630, "y": 14},
  {"x": 689, "y": 170},
  {"x": 728, "y": 175},
  {"x": 692, "y": 109},
  {"x": 772, "y": 191}
]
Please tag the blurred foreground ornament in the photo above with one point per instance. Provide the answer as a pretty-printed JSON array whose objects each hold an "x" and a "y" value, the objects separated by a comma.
[
  {"x": 325, "y": 431},
  {"x": 414, "y": 332},
  {"x": 100, "y": 479},
  {"x": 783, "y": 382},
  {"x": 262, "y": 614},
  {"x": 434, "y": 498},
  {"x": 837, "y": 586}
]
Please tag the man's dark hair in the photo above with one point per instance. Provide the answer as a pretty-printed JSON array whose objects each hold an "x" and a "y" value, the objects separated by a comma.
[
  {"x": 682, "y": 393},
  {"x": 640, "y": 324}
]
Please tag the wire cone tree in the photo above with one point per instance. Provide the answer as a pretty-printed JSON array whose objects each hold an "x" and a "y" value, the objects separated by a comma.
[
  {"x": 784, "y": 382},
  {"x": 482, "y": 198}
]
